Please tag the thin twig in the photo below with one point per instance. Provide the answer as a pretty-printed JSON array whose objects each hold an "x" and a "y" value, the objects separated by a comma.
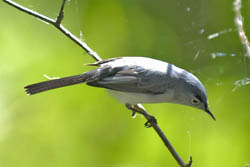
[
  {"x": 161, "y": 134},
  {"x": 60, "y": 15},
  {"x": 168, "y": 144},
  {"x": 57, "y": 24},
  {"x": 239, "y": 24}
]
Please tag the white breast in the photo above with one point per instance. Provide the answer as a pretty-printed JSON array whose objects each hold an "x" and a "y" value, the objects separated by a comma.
[{"x": 136, "y": 98}]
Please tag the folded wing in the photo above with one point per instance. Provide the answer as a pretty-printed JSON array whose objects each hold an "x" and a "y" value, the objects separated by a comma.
[{"x": 131, "y": 79}]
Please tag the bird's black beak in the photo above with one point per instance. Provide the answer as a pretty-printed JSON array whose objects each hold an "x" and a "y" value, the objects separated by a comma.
[{"x": 208, "y": 111}]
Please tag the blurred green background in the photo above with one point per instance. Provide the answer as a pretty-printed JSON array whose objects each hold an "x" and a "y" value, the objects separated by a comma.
[{"x": 82, "y": 126}]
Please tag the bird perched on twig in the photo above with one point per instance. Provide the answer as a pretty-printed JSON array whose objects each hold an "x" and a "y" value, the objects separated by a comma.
[{"x": 136, "y": 80}]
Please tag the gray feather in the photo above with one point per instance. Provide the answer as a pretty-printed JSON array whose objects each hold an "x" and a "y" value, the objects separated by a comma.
[{"x": 134, "y": 78}]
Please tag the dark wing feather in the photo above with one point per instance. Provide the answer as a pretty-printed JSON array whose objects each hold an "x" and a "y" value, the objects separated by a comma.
[{"x": 132, "y": 79}]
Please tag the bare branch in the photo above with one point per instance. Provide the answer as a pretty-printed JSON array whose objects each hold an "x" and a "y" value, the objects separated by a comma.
[
  {"x": 30, "y": 12},
  {"x": 57, "y": 24},
  {"x": 60, "y": 15},
  {"x": 141, "y": 110},
  {"x": 239, "y": 24}
]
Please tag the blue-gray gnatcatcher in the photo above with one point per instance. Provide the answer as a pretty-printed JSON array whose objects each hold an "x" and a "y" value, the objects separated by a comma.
[{"x": 135, "y": 80}]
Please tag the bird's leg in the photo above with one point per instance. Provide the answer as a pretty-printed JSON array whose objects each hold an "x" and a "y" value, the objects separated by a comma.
[
  {"x": 133, "y": 114},
  {"x": 138, "y": 108}
]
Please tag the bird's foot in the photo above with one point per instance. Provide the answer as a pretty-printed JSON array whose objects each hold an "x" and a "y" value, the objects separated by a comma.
[
  {"x": 150, "y": 122},
  {"x": 138, "y": 108},
  {"x": 133, "y": 114}
]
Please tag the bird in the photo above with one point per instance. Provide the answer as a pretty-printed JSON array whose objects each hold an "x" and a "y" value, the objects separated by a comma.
[{"x": 137, "y": 80}]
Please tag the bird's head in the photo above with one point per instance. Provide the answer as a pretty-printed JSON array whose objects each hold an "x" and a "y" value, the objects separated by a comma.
[{"x": 193, "y": 93}]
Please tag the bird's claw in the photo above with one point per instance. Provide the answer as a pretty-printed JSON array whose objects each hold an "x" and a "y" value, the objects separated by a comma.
[
  {"x": 133, "y": 114},
  {"x": 138, "y": 108},
  {"x": 150, "y": 121}
]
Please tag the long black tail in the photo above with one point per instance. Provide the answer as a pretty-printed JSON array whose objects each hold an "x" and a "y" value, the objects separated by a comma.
[{"x": 56, "y": 83}]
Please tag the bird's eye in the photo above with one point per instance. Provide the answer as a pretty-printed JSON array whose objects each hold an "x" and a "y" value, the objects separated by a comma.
[{"x": 195, "y": 101}]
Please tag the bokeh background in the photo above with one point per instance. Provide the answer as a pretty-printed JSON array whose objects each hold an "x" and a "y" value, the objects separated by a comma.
[{"x": 82, "y": 126}]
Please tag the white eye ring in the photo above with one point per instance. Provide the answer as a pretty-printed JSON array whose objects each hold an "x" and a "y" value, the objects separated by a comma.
[{"x": 195, "y": 101}]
